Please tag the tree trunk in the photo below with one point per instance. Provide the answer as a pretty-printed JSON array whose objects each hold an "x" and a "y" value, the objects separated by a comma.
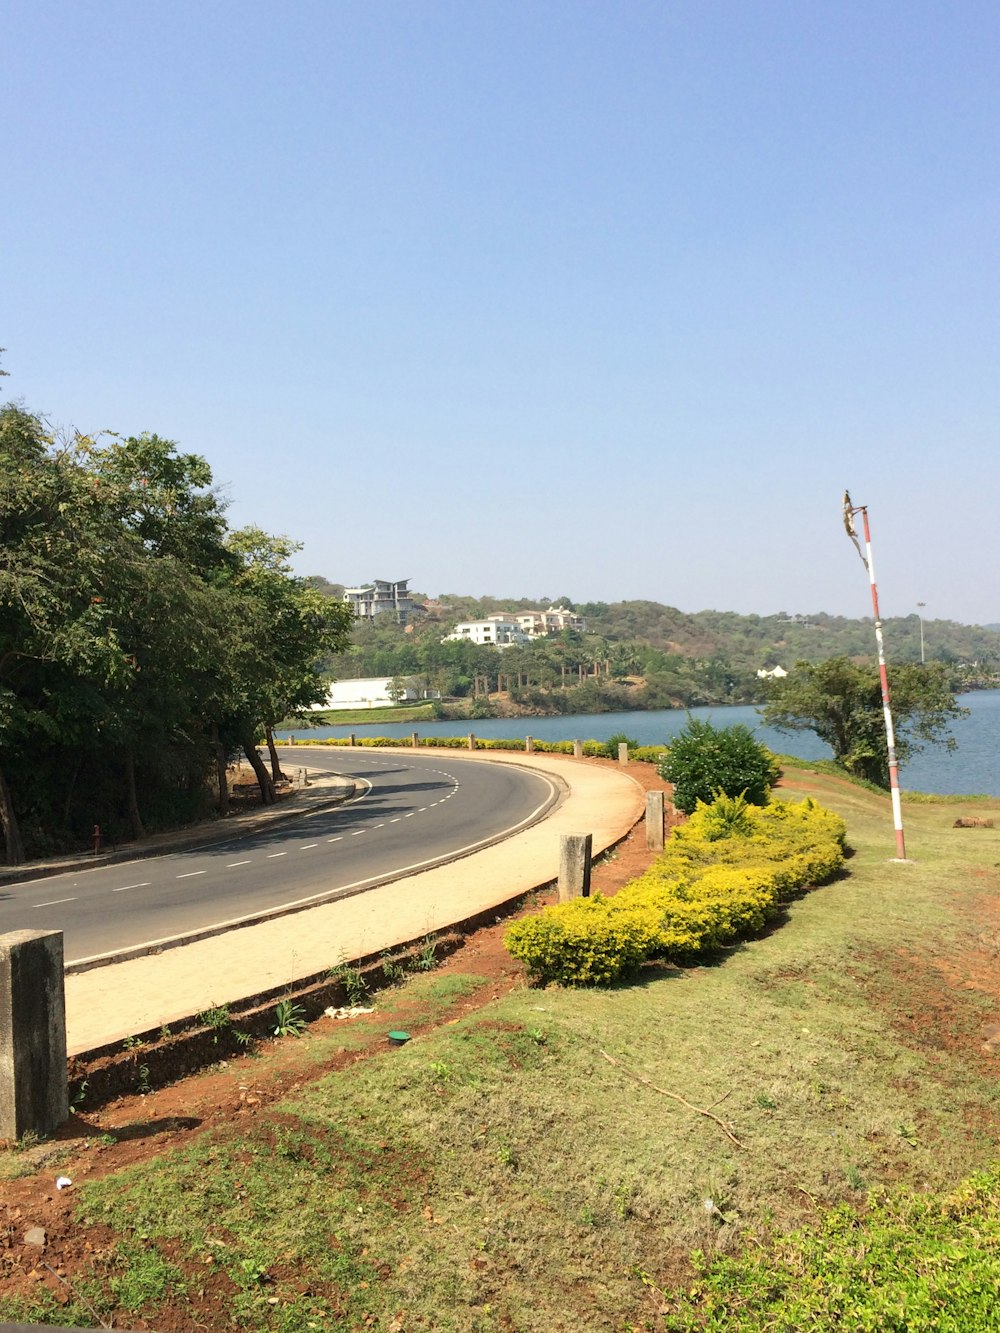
[
  {"x": 11, "y": 832},
  {"x": 222, "y": 771},
  {"x": 276, "y": 773},
  {"x": 134, "y": 818},
  {"x": 263, "y": 777}
]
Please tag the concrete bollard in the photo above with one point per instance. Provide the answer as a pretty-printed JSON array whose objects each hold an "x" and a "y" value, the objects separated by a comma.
[
  {"x": 529, "y": 745},
  {"x": 623, "y": 752},
  {"x": 34, "y": 1086},
  {"x": 655, "y": 811},
  {"x": 578, "y": 749},
  {"x": 471, "y": 742},
  {"x": 415, "y": 740},
  {"x": 574, "y": 866},
  {"x": 353, "y": 738}
]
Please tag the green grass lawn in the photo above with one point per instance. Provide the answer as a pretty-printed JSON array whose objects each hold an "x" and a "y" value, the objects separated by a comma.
[
  {"x": 363, "y": 717},
  {"x": 500, "y": 1174}
]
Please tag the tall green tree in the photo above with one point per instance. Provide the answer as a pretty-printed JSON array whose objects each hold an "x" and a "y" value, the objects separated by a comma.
[
  {"x": 286, "y": 626},
  {"x": 841, "y": 701}
]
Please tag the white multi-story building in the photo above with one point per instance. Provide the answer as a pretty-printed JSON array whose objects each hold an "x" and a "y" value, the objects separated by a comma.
[
  {"x": 379, "y": 598},
  {"x": 493, "y": 632},
  {"x": 553, "y": 620}
]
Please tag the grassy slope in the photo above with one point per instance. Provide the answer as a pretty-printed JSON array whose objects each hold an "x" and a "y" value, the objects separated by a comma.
[
  {"x": 362, "y": 717},
  {"x": 500, "y": 1174}
]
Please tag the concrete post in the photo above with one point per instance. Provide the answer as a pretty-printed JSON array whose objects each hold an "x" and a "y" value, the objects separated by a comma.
[
  {"x": 574, "y": 866},
  {"x": 529, "y": 745},
  {"x": 654, "y": 821},
  {"x": 34, "y": 1086},
  {"x": 415, "y": 739},
  {"x": 471, "y": 741},
  {"x": 623, "y": 752},
  {"x": 578, "y": 749},
  {"x": 353, "y": 738}
]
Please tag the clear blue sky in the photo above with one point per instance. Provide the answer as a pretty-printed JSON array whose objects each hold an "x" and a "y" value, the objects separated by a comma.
[{"x": 605, "y": 300}]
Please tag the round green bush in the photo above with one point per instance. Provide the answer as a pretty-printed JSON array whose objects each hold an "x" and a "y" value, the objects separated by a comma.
[{"x": 704, "y": 761}]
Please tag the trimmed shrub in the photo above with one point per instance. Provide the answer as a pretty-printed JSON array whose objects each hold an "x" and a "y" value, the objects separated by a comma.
[
  {"x": 704, "y": 760},
  {"x": 587, "y": 942},
  {"x": 722, "y": 876}
]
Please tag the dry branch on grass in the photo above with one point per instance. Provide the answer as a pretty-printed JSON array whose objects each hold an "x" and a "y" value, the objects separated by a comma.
[{"x": 675, "y": 1096}]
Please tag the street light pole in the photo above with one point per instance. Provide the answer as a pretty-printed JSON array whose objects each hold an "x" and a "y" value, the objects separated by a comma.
[
  {"x": 890, "y": 739},
  {"x": 920, "y": 606}
]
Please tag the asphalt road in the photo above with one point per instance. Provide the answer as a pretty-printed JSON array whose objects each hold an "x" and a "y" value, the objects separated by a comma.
[{"x": 409, "y": 811}]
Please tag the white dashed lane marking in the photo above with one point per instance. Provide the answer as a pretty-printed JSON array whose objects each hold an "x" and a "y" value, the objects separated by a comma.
[
  {"x": 55, "y": 902},
  {"x": 190, "y": 874},
  {"x": 125, "y": 887}
]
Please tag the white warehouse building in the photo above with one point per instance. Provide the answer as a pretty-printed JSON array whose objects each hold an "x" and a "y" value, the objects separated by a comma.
[{"x": 372, "y": 693}]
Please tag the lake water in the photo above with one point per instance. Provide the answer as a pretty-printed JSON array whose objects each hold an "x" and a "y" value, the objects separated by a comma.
[{"x": 973, "y": 767}]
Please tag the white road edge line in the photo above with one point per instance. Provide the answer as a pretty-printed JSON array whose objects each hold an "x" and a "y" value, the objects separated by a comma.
[{"x": 351, "y": 800}]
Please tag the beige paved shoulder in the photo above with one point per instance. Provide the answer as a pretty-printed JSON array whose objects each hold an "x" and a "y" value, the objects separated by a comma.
[{"x": 110, "y": 1003}]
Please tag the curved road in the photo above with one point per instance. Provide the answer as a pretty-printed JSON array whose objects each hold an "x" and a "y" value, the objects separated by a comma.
[{"x": 409, "y": 811}]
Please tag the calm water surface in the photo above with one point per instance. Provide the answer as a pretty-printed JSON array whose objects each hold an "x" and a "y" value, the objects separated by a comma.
[{"x": 973, "y": 767}]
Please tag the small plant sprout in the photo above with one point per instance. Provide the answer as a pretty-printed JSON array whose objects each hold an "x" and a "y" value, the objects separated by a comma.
[
  {"x": 290, "y": 1019},
  {"x": 354, "y": 984},
  {"x": 216, "y": 1017},
  {"x": 427, "y": 958},
  {"x": 393, "y": 969}
]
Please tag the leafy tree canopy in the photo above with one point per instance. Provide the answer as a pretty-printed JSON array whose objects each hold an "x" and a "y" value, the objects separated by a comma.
[{"x": 841, "y": 701}]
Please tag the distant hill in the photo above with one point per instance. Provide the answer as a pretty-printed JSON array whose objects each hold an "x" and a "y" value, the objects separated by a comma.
[{"x": 670, "y": 655}]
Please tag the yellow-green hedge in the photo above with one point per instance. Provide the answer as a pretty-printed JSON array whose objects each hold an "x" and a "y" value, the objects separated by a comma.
[{"x": 706, "y": 890}]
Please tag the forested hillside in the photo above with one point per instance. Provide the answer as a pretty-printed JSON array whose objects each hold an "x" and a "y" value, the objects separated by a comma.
[{"x": 641, "y": 654}]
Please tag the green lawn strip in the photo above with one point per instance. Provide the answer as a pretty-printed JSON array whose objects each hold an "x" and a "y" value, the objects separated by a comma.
[
  {"x": 360, "y": 717},
  {"x": 499, "y": 1173},
  {"x": 919, "y": 1263}
]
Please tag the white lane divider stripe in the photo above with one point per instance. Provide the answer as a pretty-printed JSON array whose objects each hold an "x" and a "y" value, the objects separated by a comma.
[
  {"x": 306, "y": 845},
  {"x": 190, "y": 874},
  {"x": 231, "y": 864},
  {"x": 125, "y": 887},
  {"x": 272, "y": 855},
  {"x": 55, "y": 902}
]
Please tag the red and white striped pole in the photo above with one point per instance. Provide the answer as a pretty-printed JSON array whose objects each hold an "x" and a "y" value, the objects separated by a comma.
[{"x": 890, "y": 737}]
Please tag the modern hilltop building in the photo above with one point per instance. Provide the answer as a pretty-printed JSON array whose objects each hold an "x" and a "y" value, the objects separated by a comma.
[
  {"x": 504, "y": 629},
  {"x": 380, "y": 597}
]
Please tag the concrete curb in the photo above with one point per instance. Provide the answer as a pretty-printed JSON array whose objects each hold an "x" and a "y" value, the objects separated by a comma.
[{"x": 108, "y": 1071}]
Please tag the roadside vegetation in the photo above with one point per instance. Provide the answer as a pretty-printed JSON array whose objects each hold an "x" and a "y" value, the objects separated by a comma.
[
  {"x": 143, "y": 643},
  {"x": 799, "y": 1130}
]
